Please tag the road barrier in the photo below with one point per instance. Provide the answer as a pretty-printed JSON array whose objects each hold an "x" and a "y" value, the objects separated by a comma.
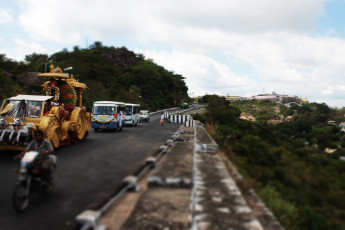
[
  {"x": 187, "y": 120},
  {"x": 91, "y": 219},
  {"x": 190, "y": 123},
  {"x": 179, "y": 118}
]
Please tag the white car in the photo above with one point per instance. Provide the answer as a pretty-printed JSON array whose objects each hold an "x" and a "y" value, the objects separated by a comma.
[{"x": 144, "y": 116}]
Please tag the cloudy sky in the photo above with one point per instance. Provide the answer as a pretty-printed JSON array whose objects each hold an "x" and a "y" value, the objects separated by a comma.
[{"x": 235, "y": 47}]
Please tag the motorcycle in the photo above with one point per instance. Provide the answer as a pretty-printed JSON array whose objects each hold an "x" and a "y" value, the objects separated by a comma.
[{"x": 30, "y": 180}]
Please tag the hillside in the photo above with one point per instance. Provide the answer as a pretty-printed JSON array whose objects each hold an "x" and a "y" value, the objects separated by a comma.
[
  {"x": 110, "y": 73},
  {"x": 287, "y": 162}
]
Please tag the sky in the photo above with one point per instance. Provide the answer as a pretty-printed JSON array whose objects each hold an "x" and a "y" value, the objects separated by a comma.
[{"x": 225, "y": 47}]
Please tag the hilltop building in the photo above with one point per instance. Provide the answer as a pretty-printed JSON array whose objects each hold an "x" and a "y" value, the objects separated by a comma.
[
  {"x": 274, "y": 97},
  {"x": 234, "y": 98}
]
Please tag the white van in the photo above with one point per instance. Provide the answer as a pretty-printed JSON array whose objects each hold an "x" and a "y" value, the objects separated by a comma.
[
  {"x": 107, "y": 115},
  {"x": 144, "y": 116},
  {"x": 132, "y": 114}
]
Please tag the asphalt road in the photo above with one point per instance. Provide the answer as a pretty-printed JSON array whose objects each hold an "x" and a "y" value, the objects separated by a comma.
[{"x": 87, "y": 175}]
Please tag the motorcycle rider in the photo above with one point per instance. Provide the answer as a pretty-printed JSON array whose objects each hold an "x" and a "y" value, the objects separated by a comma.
[{"x": 44, "y": 148}]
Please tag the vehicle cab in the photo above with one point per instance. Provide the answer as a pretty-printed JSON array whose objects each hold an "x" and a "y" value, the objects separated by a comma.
[
  {"x": 107, "y": 115},
  {"x": 19, "y": 118},
  {"x": 144, "y": 116},
  {"x": 132, "y": 114},
  {"x": 60, "y": 114}
]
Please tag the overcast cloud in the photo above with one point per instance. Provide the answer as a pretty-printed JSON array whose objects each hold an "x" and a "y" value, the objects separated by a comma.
[{"x": 235, "y": 47}]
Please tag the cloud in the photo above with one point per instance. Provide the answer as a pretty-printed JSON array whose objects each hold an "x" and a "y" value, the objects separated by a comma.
[
  {"x": 5, "y": 16},
  {"x": 285, "y": 63},
  {"x": 154, "y": 19},
  {"x": 198, "y": 38},
  {"x": 203, "y": 74},
  {"x": 245, "y": 16},
  {"x": 23, "y": 46},
  {"x": 69, "y": 22}
]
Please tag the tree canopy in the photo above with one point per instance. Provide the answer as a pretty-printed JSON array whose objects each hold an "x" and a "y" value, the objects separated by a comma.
[
  {"x": 286, "y": 162},
  {"x": 110, "y": 73}
]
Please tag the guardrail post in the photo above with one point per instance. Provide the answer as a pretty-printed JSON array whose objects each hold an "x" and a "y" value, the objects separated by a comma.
[
  {"x": 163, "y": 148},
  {"x": 170, "y": 142},
  {"x": 90, "y": 220},
  {"x": 151, "y": 161},
  {"x": 132, "y": 183}
]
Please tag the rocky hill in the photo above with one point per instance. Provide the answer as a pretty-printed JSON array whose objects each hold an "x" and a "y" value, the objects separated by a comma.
[{"x": 110, "y": 73}]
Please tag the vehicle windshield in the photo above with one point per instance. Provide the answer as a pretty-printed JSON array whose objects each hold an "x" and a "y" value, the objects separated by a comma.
[
  {"x": 128, "y": 110},
  {"x": 103, "y": 110},
  {"x": 143, "y": 113},
  {"x": 34, "y": 108}
]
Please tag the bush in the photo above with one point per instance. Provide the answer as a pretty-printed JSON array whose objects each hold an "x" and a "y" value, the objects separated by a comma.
[
  {"x": 309, "y": 219},
  {"x": 285, "y": 211},
  {"x": 298, "y": 143},
  {"x": 199, "y": 117},
  {"x": 303, "y": 186},
  {"x": 302, "y": 152},
  {"x": 256, "y": 151}
]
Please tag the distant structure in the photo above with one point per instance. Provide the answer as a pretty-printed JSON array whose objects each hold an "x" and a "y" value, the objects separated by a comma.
[
  {"x": 234, "y": 98},
  {"x": 342, "y": 126},
  {"x": 271, "y": 97},
  {"x": 274, "y": 97}
]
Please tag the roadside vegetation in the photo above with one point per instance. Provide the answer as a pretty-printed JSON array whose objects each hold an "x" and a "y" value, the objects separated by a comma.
[{"x": 293, "y": 163}]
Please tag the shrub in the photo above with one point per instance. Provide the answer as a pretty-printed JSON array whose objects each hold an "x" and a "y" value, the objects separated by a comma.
[
  {"x": 285, "y": 211},
  {"x": 199, "y": 117}
]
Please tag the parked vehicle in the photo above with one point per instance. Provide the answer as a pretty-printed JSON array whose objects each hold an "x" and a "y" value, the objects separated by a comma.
[
  {"x": 59, "y": 114},
  {"x": 30, "y": 180},
  {"x": 144, "y": 116},
  {"x": 132, "y": 114},
  {"x": 108, "y": 115},
  {"x": 184, "y": 105}
]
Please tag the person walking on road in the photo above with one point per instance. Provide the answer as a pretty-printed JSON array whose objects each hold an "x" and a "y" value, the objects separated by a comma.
[{"x": 162, "y": 119}]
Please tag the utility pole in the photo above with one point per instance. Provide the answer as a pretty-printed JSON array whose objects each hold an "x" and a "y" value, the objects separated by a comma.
[{"x": 45, "y": 65}]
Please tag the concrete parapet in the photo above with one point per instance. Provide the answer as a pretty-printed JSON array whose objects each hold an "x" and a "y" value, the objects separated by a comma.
[
  {"x": 204, "y": 142},
  {"x": 188, "y": 130},
  {"x": 260, "y": 210},
  {"x": 184, "y": 134},
  {"x": 203, "y": 137},
  {"x": 166, "y": 204},
  {"x": 217, "y": 201},
  {"x": 176, "y": 169},
  {"x": 161, "y": 208},
  {"x": 184, "y": 138}
]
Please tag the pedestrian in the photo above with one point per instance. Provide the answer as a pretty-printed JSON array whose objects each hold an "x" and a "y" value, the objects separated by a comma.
[
  {"x": 122, "y": 118},
  {"x": 162, "y": 119}
]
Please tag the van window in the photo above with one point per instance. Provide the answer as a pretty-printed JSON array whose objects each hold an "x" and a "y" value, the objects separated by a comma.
[
  {"x": 103, "y": 110},
  {"x": 129, "y": 110}
]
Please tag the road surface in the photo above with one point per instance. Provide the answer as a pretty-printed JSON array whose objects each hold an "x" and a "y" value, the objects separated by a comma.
[{"x": 88, "y": 173}]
